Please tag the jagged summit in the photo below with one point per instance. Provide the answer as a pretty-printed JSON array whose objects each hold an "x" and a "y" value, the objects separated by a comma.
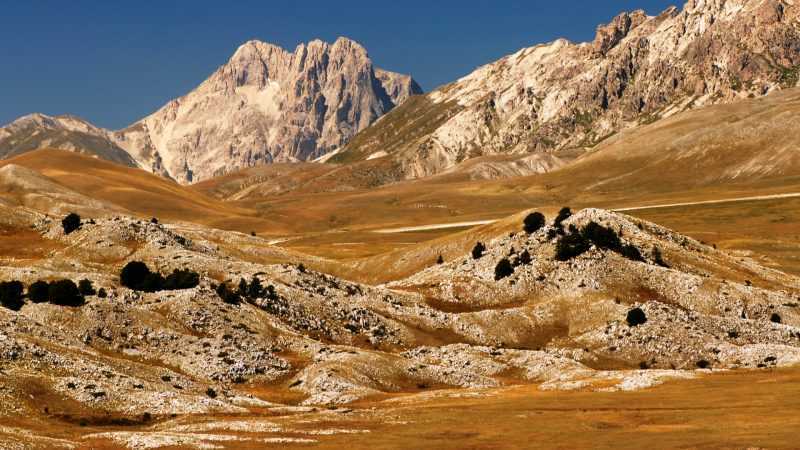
[{"x": 267, "y": 104}]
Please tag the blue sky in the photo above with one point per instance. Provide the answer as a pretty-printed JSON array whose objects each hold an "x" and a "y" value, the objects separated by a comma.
[{"x": 113, "y": 62}]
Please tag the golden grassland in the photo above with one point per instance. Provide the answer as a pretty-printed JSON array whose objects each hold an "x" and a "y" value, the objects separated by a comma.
[{"x": 741, "y": 409}]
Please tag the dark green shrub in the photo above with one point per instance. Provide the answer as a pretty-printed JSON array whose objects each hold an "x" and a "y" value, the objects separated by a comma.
[
  {"x": 71, "y": 223},
  {"x": 440, "y": 260},
  {"x": 533, "y": 222},
  {"x": 102, "y": 293},
  {"x": 38, "y": 292},
  {"x": 255, "y": 290},
  {"x": 64, "y": 293},
  {"x": 658, "y": 258},
  {"x": 503, "y": 269},
  {"x": 571, "y": 246},
  {"x": 563, "y": 215},
  {"x": 85, "y": 287},
  {"x": 133, "y": 275},
  {"x": 154, "y": 221},
  {"x": 181, "y": 279},
  {"x": 137, "y": 276},
  {"x": 631, "y": 252},
  {"x": 153, "y": 282},
  {"x": 636, "y": 317},
  {"x": 775, "y": 318},
  {"x": 227, "y": 295},
  {"x": 242, "y": 291},
  {"x": 11, "y": 295},
  {"x": 602, "y": 237},
  {"x": 524, "y": 258},
  {"x": 478, "y": 250}
]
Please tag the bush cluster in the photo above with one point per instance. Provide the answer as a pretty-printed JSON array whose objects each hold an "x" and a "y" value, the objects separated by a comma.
[
  {"x": 137, "y": 276},
  {"x": 57, "y": 292},
  {"x": 245, "y": 291},
  {"x": 578, "y": 242}
]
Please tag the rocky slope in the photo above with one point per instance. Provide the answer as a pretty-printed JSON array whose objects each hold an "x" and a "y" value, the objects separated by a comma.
[
  {"x": 320, "y": 340},
  {"x": 559, "y": 95},
  {"x": 264, "y": 105}
]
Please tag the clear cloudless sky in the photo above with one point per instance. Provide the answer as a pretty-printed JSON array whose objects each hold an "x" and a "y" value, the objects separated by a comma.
[{"x": 113, "y": 62}]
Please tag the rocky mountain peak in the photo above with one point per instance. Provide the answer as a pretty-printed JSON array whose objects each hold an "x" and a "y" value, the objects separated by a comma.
[
  {"x": 611, "y": 34},
  {"x": 267, "y": 104}
]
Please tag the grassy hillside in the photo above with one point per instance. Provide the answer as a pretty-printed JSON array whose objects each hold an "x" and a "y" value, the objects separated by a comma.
[{"x": 137, "y": 191}]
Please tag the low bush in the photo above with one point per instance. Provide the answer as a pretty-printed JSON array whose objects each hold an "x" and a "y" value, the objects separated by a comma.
[
  {"x": 71, "y": 223},
  {"x": 503, "y": 269},
  {"x": 255, "y": 289},
  {"x": 563, "y": 215},
  {"x": 137, "y": 276},
  {"x": 64, "y": 293},
  {"x": 38, "y": 291},
  {"x": 636, "y": 317},
  {"x": 775, "y": 318},
  {"x": 658, "y": 258},
  {"x": 181, "y": 279},
  {"x": 602, "y": 237},
  {"x": 533, "y": 222},
  {"x": 571, "y": 246},
  {"x": 228, "y": 295},
  {"x": 477, "y": 251},
  {"x": 578, "y": 242},
  {"x": 524, "y": 258},
  {"x": 134, "y": 274},
  {"x": 631, "y": 252},
  {"x": 440, "y": 260},
  {"x": 11, "y": 295},
  {"x": 101, "y": 293},
  {"x": 86, "y": 288}
]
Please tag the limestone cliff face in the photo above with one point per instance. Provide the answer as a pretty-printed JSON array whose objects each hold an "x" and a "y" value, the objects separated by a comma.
[
  {"x": 267, "y": 104},
  {"x": 560, "y": 95}
]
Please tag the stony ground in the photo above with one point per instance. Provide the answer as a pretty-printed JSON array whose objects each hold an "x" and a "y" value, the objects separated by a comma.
[{"x": 321, "y": 342}]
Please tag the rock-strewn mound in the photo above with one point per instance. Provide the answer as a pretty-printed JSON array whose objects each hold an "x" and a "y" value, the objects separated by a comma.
[{"x": 606, "y": 314}]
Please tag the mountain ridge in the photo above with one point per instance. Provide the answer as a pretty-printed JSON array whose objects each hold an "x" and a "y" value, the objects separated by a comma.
[
  {"x": 264, "y": 104},
  {"x": 560, "y": 95}
]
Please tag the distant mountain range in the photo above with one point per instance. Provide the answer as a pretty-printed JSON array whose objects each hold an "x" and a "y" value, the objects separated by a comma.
[
  {"x": 322, "y": 101},
  {"x": 265, "y": 104}
]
